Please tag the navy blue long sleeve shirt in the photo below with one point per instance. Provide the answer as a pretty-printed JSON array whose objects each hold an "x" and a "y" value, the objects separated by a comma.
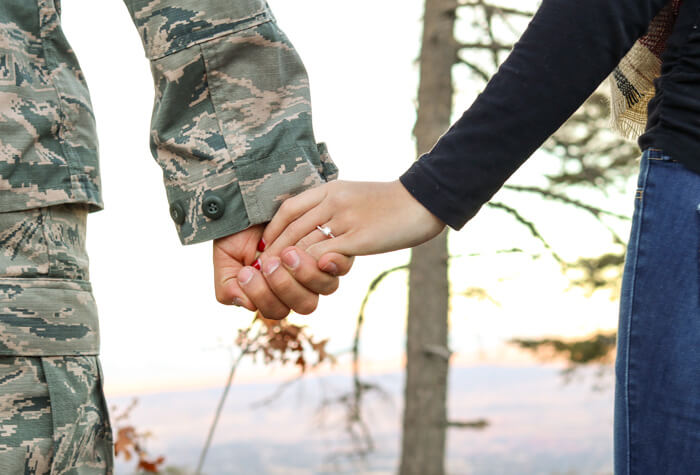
[{"x": 568, "y": 49}]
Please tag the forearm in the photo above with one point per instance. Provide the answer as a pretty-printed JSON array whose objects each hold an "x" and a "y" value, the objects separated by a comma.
[
  {"x": 568, "y": 49},
  {"x": 231, "y": 125}
]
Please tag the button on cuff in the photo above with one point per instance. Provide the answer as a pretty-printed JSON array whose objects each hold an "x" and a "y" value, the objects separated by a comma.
[
  {"x": 213, "y": 207},
  {"x": 177, "y": 212}
]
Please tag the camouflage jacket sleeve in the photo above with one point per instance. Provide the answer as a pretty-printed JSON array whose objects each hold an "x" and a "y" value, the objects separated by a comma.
[{"x": 231, "y": 125}]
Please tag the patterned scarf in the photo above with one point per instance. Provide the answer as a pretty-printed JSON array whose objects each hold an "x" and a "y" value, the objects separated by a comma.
[{"x": 632, "y": 81}]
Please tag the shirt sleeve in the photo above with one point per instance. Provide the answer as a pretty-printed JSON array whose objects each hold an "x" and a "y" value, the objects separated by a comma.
[
  {"x": 231, "y": 125},
  {"x": 568, "y": 49}
]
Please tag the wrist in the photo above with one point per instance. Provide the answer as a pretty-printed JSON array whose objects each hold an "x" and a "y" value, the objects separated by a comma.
[{"x": 423, "y": 214}]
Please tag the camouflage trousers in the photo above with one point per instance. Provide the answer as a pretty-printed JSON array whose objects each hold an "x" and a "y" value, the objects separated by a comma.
[{"x": 53, "y": 415}]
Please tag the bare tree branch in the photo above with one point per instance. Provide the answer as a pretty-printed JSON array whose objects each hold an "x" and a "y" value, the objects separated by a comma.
[
  {"x": 493, "y": 47},
  {"x": 222, "y": 400},
  {"x": 278, "y": 392},
  {"x": 597, "y": 212},
  {"x": 496, "y": 8},
  {"x": 355, "y": 424},
  {"x": 475, "y": 69},
  {"x": 477, "y": 424},
  {"x": 530, "y": 225}
]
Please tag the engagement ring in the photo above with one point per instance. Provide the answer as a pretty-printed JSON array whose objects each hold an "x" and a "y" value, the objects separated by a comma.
[{"x": 326, "y": 231}]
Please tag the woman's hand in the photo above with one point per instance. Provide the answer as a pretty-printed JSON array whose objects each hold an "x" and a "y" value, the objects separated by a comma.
[{"x": 365, "y": 218}]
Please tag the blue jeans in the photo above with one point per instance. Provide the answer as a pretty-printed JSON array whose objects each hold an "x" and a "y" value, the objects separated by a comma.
[{"x": 657, "y": 390}]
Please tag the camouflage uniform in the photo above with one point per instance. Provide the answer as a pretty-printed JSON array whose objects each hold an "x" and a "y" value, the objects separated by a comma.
[{"x": 231, "y": 130}]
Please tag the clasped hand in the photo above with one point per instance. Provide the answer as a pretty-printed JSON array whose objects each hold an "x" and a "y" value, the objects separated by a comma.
[{"x": 299, "y": 262}]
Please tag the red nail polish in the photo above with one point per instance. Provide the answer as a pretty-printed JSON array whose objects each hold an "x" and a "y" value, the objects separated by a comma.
[
  {"x": 257, "y": 264},
  {"x": 261, "y": 245}
]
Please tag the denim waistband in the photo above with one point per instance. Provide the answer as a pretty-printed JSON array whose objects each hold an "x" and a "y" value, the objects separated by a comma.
[{"x": 656, "y": 154}]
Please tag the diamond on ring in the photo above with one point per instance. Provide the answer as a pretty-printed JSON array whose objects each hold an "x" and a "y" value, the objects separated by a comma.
[{"x": 326, "y": 231}]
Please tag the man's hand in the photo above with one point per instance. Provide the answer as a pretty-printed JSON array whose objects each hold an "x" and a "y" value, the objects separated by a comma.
[
  {"x": 231, "y": 255},
  {"x": 285, "y": 282}
]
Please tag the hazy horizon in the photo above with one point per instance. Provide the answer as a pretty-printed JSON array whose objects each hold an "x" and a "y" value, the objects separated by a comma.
[{"x": 537, "y": 425}]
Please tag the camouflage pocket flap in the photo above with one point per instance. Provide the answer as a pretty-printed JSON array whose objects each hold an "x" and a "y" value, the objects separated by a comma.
[{"x": 47, "y": 317}]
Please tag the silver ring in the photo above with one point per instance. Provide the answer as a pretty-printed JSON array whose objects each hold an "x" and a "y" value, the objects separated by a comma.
[{"x": 326, "y": 231}]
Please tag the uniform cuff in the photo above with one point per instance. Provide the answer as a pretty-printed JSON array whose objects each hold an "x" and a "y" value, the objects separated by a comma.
[{"x": 248, "y": 195}]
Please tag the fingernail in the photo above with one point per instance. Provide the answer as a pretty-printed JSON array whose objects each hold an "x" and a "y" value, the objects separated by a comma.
[
  {"x": 271, "y": 266},
  {"x": 237, "y": 302},
  {"x": 331, "y": 269},
  {"x": 262, "y": 245},
  {"x": 257, "y": 264},
  {"x": 246, "y": 275},
  {"x": 291, "y": 259}
]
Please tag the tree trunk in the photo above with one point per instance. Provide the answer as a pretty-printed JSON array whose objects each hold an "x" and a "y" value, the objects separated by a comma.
[{"x": 427, "y": 356}]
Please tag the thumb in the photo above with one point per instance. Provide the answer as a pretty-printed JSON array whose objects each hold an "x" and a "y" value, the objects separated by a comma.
[
  {"x": 338, "y": 246},
  {"x": 335, "y": 264}
]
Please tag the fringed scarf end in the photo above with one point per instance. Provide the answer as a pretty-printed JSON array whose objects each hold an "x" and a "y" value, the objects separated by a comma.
[{"x": 632, "y": 81}]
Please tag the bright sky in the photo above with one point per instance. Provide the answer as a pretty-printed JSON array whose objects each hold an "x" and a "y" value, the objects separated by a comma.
[{"x": 161, "y": 326}]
